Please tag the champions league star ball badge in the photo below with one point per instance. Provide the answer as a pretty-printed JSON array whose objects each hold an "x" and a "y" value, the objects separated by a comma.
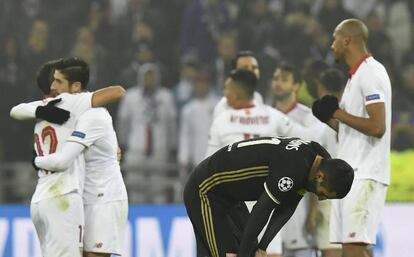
[{"x": 285, "y": 184}]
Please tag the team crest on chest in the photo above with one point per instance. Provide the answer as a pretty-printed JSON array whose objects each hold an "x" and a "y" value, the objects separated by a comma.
[{"x": 285, "y": 184}]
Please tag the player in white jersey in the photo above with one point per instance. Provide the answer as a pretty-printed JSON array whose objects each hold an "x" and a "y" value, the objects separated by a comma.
[
  {"x": 330, "y": 82},
  {"x": 104, "y": 197},
  {"x": 363, "y": 121},
  {"x": 56, "y": 207},
  {"x": 297, "y": 241},
  {"x": 245, "y": 60}
]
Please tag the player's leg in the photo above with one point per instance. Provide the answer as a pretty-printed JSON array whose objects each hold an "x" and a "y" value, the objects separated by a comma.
[
  {"x": 210, "y": 222},
  {"x": 361, "y": 211},
  {"x": 105, "y": 227},
  {"x": 59, "y": 224},
  {"x": 322, "y": 231}
]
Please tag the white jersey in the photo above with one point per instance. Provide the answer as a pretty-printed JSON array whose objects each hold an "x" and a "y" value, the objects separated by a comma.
[
  {"x": 233, "y": 125},
  {"x": 195, "y": 122},
  {"x": 223, "y": 106},
  {"x": 49, "y": 138},
  {"x": 294, "y": 236},
  {"x": 103, "y": 178},
  {"x": 369, "y": 156}
]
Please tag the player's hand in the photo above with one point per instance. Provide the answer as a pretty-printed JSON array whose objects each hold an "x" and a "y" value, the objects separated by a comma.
[
  {"x": 34, "y": 155},
  {"x": 324, "y": 108},
  {"x": 51, "y": 113},
  {"x": 260, "y": 253}
]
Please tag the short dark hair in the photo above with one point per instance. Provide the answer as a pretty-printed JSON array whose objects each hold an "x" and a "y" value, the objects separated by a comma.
[
  {"x": 243, "y": 53},
  {"x": 333, "y": 80},
  {"x": 75, "y": 70},
  {"x": 339, "y": 174},
  {"x": 44, "y": 76},
  {"x": 311, "y": 72},
  {"x": 287, "y": 67},
  {"x": 247, "y": 79}
]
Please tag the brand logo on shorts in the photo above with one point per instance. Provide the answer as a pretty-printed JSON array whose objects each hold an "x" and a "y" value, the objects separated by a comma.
[
  {"x": 98, "y": 245},
  {"x": 351, "y": 235},
  {"x": 285, "y": 184}
]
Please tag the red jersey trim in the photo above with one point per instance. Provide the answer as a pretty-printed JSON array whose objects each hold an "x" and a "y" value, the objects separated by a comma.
[
  {"x": 354, "y": 68},
  {"x": 243, "y": 106}
]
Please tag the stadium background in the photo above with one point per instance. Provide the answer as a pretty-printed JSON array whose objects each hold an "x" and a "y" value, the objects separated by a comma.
[{"x": 188, "y": 39}]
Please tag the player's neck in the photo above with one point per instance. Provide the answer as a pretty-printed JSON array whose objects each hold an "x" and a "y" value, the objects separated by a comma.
[
  {"x": 356, "y": 56},
  {"x": 287, "y": 104},
  {"x": 312, "y": 173}
]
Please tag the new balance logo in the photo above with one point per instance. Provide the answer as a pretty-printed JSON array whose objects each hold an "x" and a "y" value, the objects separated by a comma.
[
  {"x": 98, "y": 245},
  {"x": 351, "y": 235}
]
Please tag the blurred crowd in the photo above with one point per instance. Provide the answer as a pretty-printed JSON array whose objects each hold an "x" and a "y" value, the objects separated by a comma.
[{"x": 173, "y": 57}]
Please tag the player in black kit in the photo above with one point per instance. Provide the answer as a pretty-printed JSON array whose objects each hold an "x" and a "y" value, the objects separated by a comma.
[{"x": 275, "y": 171}]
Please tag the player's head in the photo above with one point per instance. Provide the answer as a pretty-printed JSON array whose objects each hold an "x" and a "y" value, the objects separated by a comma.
[
  {"x": 349, "y": 34},
  {"x": 239, "y": 87},
  {"x": 246, "y": 60},
  {"x": 332, "y": 180},
  {"x": 285, "y": 82},
  {"x": 331, "y": 82},
  {"x": 44, "y": 76},
  {"x": 311, "y": 73},
  {"x": 149, "y": 76},
  {"x": 71, "y": 75}
]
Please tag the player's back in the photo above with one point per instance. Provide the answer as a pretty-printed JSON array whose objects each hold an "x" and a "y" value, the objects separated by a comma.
[
  {"x": 240, "y": 124},
  {"x": 49, "y": 138},
  {"x": 103, "y": 178},
  {"x": 239, "y": 170}
]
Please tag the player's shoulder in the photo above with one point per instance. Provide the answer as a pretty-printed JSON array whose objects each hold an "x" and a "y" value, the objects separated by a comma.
[{"x": 96, "y": 115}]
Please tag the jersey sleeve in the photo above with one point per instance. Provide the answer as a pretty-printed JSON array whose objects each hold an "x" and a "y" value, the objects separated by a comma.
[
  {"x": 372, "y": 90},
  {"x": 76, "y": 103},
  {"x": 25, "y": 111},
  {"x": 89, "y": 128},
  {"x": 220, "y": 107},
  {"x": 214, "y": 142}
]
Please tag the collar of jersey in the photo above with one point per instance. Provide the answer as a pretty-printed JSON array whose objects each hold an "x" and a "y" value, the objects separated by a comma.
[
  {"x": 243, "y": 106},
  {"x": 356, "y": 65},
  {"x": 291, "y": 108}
]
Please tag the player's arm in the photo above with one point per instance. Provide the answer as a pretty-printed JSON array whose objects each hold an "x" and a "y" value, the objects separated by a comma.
[
  {"x": 37, "y": 109},
  {"x": 280, "y": 216},
  {"x": 107, "y": 95},
  {"x": 25, "y": 111},
  {"x": 373, "y": 126},
  {"x": 257, "y": 220},
  {"x": 61, "y": 160}
]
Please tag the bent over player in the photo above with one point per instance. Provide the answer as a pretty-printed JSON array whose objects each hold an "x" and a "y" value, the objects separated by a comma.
[{"x": 275, "y": 171}]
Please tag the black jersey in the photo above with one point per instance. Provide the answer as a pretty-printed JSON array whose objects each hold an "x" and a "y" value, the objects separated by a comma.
[
  {"x": 243, "y": 170},
  {"x": 272, "y": 170}
]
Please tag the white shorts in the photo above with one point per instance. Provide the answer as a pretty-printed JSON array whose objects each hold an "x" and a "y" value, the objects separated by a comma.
[
  {"x": 105, "y": 227},
  {"x": 356, "y": 218},
  {"x": 294, "y": 234},
  {"x": 59, "y": 225},
  {"x": 275, "y": 246},
  {"x": 322, "y": 229}
]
